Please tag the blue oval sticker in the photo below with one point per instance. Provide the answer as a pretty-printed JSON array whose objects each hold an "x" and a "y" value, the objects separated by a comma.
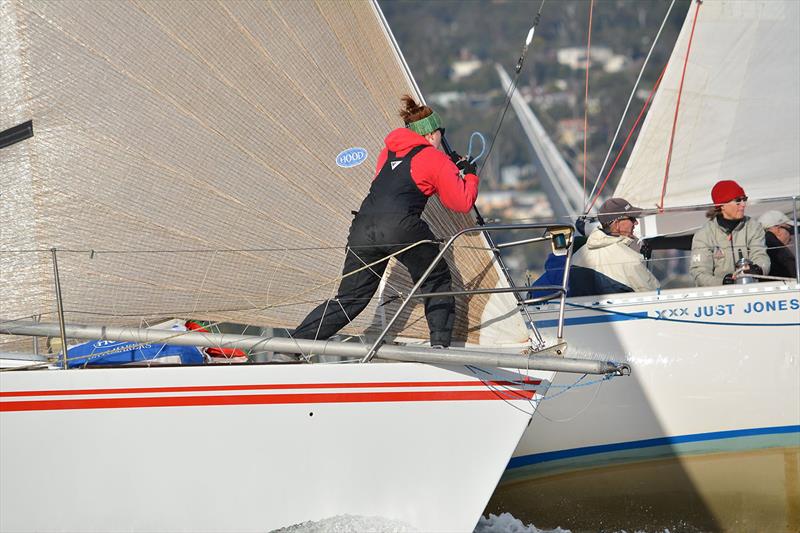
[{"x": 351, "y": 157}]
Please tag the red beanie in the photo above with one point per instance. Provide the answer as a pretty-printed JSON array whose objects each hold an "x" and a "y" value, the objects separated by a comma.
[{"x": 725, "y": 191}]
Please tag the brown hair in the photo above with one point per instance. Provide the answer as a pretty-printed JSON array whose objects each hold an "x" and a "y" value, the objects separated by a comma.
[
  {"x": 713, "y": 212},
  {"x": 412, "y": 110}
]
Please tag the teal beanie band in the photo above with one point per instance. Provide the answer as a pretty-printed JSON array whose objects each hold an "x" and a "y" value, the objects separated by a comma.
[{"x": 426, "y": 125}]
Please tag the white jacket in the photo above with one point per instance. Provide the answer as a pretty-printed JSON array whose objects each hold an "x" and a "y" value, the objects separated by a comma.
[{"x": 612, "y": 256}]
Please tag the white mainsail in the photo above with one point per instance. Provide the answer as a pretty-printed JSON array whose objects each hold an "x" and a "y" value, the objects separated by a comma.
[
  {"x": 739, "y": 114},
  {"x": 183, "y": 163}
]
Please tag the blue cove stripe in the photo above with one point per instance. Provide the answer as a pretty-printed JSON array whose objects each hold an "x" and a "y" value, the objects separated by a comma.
[
  {"x": 544, "y": 457},
  {"x": 616, "y": 316},
  {"x": 594, "y": 319}
]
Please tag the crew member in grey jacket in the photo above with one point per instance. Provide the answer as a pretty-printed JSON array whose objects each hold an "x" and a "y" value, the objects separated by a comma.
[{"x": 717, "y": 246}]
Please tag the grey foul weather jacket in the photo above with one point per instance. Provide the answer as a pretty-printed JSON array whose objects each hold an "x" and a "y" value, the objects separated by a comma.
[{"x": 715, "y": 251}]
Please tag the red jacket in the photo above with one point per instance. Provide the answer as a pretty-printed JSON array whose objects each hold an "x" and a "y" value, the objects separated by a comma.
[{"x": 432, "y": 171}]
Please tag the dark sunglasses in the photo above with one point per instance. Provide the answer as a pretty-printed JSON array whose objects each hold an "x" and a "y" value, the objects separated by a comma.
[{"x": 740, "y": 200}]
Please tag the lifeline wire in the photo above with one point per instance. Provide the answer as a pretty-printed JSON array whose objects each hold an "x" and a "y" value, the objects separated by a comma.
[
  {"x": 513, "y": 86},
  {"x": 368, "y": 266}
]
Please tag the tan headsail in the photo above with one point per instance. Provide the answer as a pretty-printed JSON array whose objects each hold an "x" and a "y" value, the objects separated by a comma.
[
  {"x": 184, "y": 162},
  {"x": 739, "y": 114}
]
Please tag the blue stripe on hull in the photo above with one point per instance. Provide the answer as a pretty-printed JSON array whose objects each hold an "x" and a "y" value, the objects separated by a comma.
[
  {"x": 616, "y": 316},
  {"x": 670, "y": 442},
  {"x": 593, "y": 319}
]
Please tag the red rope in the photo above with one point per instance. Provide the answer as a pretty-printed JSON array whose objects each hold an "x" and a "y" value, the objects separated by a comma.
[
  {"x": 677, "y": 108},
  {"x": 586, "y": 99},
  {"x": 627, "y": 139}
]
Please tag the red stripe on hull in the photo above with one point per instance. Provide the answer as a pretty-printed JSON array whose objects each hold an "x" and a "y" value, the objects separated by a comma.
[
  {"x": 272, "y": 386},
  {"x": 260, "y": 399}
]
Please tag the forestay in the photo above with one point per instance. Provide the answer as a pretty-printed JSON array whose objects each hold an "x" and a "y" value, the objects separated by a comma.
[
  {"x": 739, "y": 114},
  {"x": 184, "y": 163}
]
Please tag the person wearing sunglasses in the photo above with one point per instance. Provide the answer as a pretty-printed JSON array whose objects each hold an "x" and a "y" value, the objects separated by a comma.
[
  {"x": 727, "y": 237},
  {"x": 610, "y": 261}
]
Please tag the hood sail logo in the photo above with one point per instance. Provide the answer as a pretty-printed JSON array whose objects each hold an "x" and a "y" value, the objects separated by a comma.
[
  {"x": 395, "y": 163},
  {"x": 351, "y": 157}
]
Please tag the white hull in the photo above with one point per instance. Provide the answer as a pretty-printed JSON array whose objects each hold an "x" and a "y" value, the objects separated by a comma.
[
  {"x": 254, "y": 448},
  {"x": 700, "y": 384}
]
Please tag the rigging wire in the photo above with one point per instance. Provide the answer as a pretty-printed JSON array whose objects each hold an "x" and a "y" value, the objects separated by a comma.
[
  {"x": 627, "y": 106},
  {"x": 677, "y": 108},
  {"x": 504, "y": 391},
  {"x": 625, "y": 144},
  {"x": 586, "y": 97},
  {"x": 509, "y": 93},
  {"x": 512, "y": 87},
  {"x": 570, "y": 387}
]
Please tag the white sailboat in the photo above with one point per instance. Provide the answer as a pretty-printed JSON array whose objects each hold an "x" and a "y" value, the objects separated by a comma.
[
  {"x": 167, "y": 160},
  {"x": 707, "y": 432}
]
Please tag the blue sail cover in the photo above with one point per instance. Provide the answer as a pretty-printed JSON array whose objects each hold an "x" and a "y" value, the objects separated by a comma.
[{"x": 119, "y": 353}]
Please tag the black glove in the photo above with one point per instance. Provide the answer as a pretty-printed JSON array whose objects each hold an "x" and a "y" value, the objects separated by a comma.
[
  {"x": 646, "y": 250},
  {"x": 467, "y": 167},
  {"x": 755, "y": 269},
  {"x": 455, "y": 157},
  {"x": 580, "y": 225},
  {"x": 728, "y": 279}
]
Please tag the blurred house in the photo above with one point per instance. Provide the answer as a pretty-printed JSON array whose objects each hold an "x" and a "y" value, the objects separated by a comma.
[
  {"x": 575, "y": 58},
  {"x": 446, "y": 99},
  {"x": 512, "y": 176},
  {"x": 464, "y": 68},
  {"x": 546, "y": 98},
  {"x": 570, "y": 131},
  {"x": 514, "y": 205}
]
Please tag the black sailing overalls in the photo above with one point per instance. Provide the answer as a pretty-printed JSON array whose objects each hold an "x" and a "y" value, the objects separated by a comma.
[{"x": 388, "y": 221}]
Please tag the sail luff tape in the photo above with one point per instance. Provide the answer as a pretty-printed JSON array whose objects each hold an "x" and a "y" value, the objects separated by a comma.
[
  {"x": 16, "y": 134},
  {"x": 426, "y": 125}
]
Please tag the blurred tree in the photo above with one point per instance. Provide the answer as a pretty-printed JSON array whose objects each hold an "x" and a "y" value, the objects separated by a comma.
[{"x": 434, "y": 34}]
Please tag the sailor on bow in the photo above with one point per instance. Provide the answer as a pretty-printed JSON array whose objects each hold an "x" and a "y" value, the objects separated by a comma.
[{"x": 411, "y": 168}]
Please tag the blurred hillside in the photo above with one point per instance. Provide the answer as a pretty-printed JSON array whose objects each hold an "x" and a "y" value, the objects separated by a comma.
[{"x": 452, "y": 46}]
